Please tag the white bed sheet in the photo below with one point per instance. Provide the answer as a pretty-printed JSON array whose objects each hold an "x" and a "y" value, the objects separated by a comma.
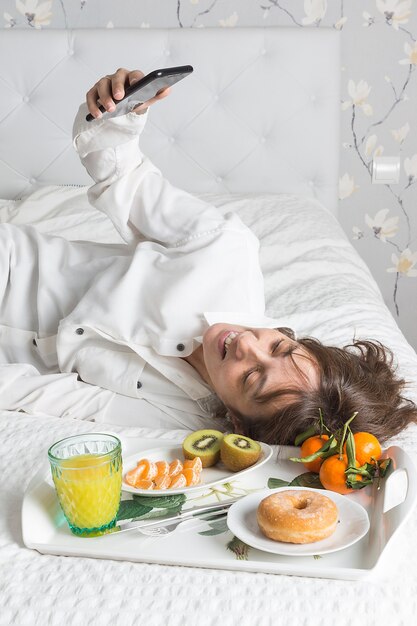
[{"x": 313, "y": 278}]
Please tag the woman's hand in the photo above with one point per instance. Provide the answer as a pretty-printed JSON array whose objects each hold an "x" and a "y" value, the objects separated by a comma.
[{"x": 111, "y": 88}]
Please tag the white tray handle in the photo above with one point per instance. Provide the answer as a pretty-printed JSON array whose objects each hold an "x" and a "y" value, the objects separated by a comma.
[{"x": 400, "y": 494}]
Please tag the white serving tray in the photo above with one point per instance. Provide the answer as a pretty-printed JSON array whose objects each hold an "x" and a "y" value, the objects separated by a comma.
[{"x": 45, "y": 529}]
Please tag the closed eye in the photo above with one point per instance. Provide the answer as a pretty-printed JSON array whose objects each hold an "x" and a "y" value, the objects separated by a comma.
[
  {"x": 275, "y": 345},
  {"x": 287, "y": 352},
  {"x": 249, "y": 374}
]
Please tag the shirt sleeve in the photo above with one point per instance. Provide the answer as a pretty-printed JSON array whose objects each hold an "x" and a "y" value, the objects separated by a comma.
[
  {"x": 23, "y": 388},
  {"x": 131, "y": 190}
]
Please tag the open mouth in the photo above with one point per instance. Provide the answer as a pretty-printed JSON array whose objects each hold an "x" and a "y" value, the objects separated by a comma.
[{"x": 225, "y": 341}]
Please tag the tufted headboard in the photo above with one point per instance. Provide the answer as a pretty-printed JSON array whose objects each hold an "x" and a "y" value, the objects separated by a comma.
[{"x": 259, "y": 114}]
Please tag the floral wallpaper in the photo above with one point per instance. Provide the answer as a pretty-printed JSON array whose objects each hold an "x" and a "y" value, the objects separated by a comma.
[{"x": 378, "y": 107}]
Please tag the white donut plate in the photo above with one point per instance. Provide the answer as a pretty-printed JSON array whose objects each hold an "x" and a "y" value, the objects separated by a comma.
[{"x": 353, "y": 525}]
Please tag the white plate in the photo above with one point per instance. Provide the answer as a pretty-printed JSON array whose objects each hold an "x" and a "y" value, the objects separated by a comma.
[
  {"x": 353, "y": 525},
  {"x": 209, "y": 476}
]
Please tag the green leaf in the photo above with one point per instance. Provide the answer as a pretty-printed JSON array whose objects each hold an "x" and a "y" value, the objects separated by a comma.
[
  {"x": 345, "y": 429},
  {"x": 359, "y": 471},
  {"x": 327, "y": 449},
  {"x": 161, "y": 513},
  {"x": 161, "y": 502},
  {"x": 216, "y": 528},
  {"x": 130, "y": 509},
  {"x": 322, "y": 425},
  {"x": 274, "y": 483},
  {"x": 350, "y": 449},
  {"x": 384, "y": 465},
  {"x": 332, "y": 448},
  {"x": 354, "y": 483},
  {"x": 310, "y": 432},
  {"x": 308, "y": 479}
]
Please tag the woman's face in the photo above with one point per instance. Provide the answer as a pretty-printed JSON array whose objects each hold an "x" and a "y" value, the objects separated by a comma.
[{"x": 247, "y": 365}]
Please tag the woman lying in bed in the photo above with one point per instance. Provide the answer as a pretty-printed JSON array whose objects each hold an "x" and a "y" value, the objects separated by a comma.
[{"x": 168, "y": 330}]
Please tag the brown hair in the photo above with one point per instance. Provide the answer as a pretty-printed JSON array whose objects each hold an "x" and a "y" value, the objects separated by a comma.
[{"x": 358, "y": 377}]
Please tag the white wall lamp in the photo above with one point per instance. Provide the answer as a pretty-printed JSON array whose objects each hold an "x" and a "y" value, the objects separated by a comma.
[{"x": 386, "y": 170}]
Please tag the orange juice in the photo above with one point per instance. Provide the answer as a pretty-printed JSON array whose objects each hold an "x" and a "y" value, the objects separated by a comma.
[{"x": 89, "y": 488}]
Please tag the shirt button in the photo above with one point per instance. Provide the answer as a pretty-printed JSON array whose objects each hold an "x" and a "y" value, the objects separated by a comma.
[
  {"x": 180, "y": 347},
  {"x": 138, "y": 385},
  {"x": 80, "y": 331}
]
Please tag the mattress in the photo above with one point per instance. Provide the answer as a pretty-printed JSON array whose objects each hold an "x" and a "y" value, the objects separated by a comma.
[{"x": 318, "y": 283}]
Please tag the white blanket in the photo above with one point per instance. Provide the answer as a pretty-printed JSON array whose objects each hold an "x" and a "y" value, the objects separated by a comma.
[{"x": 314, "y": 278}]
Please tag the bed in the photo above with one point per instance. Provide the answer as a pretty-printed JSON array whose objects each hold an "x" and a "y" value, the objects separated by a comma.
[{"x": 277, "y": 168}]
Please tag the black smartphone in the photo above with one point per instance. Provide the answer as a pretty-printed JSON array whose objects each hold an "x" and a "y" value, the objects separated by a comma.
[{"x": 148, "y": 86}]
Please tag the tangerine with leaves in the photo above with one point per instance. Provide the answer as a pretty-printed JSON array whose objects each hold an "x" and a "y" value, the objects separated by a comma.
[
  {"x": 332, "y": 474},
  {"x": 367, "y": 447},
  {"x": 310, "y": 446}
]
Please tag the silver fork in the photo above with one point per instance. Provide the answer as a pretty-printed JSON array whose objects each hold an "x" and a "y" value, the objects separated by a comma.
[{"x": 161, "y": 531}]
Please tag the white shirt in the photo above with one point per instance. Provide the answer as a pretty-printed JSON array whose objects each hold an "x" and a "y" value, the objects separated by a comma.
[{"x": 118, "y": 317}]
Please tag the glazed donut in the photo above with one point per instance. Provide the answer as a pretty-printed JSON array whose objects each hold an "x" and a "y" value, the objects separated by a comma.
[{"x": 297, "y": 516}]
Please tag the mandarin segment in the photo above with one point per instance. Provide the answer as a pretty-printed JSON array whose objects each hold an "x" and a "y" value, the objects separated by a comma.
[
  {"x": 162, "y": 468},
  {"x": 178, "y": 481},
  {"x": 175, "y": 467},
  {"x": 134, "y": 475},
  {"x": 192, "y": 476},
  {"x": 150, "y": 470},
  {"x": 144, "y": 484},
  {"x": 162, "y": 481},
  {"x": 195, "y": 464}
]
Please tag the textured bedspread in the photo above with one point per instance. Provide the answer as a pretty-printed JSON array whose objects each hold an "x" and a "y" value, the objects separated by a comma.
[{"x": 318, "y": 284}]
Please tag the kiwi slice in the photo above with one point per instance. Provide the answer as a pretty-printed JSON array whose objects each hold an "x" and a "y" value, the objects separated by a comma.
[
  {"x": 238, "y": 452},
  {"x": 205, "y": 444}
]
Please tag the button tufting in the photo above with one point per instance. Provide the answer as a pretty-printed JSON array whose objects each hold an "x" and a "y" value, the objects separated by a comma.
[
  {"x": 311, "y": 183},
  {"x": 219, "y": 179},
  {"x": 172, "y": 139},
  {"x": 167, "y": 53},
  {"x": 262, "y": 139},
  {"x": 263, "y": 52},
  {"x": 32, "y": 181},
  {"x": 25, "y": 98},
  {"x": 313, "y": 98},
  {"x": 216, "y": 98},
  {"x": 70, "y": 52}
]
